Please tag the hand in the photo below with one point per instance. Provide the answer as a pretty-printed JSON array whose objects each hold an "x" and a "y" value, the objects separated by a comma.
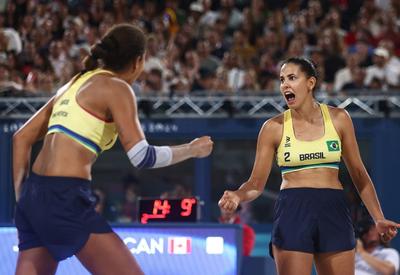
[
  {"x": 387, "y": 229},
  {"x": 201, "y": 147},
  {"x": 229, "y": 201}
]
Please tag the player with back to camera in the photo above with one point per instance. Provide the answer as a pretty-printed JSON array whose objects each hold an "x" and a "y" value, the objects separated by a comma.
[
  {"x": 55, "y": 214},
  {"x": 311, "y": 216}
]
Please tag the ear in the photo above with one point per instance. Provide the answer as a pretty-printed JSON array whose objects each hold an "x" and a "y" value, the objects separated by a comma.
[
  {"x": 136, "y": 62},
  {"x": 311, "y": 83}
]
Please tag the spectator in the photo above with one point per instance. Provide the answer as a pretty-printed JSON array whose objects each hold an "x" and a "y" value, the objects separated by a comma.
[
  {"x": 178, "y": 191},
  {"x": 344, "y": 75},
  {"x": 249, "y": 235},
  {"x": 357, "y": 80},
  {"x": 204, "y": 31},
  {"x": 153, "y": 84},
  {"x": 129, "y": 205},
  {"x": 7, "y": 84},
  {"x": 207, "y": 61},
  {"x": 231, "y": 66},
  {"x": 153, "y": 60},
  {"x": 204, "y": 82},
  {"x": 373, "y": 257},
  {"x": 179, "y": 86},
  {"x": 389, "y": 76},
  {"x": 10, "y": 40}
]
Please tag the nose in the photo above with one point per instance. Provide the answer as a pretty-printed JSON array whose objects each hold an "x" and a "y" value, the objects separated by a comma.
[{"x": 284, "y": 84}]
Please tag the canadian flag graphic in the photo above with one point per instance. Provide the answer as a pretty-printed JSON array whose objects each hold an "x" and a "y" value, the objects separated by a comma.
[{"x": 179, "y": 245}]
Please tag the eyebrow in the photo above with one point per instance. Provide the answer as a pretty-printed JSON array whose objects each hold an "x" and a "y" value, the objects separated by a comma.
[{"x": 289, "y": 75}]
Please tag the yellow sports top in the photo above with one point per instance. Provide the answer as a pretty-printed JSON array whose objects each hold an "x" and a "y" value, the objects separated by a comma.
[
  {"x": 294, "y": 155},
  {"x": 69, "y": 118}
]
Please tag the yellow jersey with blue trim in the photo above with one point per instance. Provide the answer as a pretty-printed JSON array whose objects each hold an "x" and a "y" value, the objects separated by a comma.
[
  {"x": 71, "y": 119},
  {"x": 294, "y": 155}
]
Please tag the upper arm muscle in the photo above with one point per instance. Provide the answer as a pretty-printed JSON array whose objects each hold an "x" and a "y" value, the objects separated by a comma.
[
  {"x": 121, "y": 102},
  {"x": 36, "y": 127},
  {"x": 350, "y": 151},
  {"x": 266, "y": 147}
]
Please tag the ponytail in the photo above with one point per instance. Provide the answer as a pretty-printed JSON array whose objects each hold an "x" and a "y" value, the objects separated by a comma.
[{"x": 119, "y": 47}]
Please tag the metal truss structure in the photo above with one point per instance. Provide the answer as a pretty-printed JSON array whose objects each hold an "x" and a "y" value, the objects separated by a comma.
[{"x": 223, "y": 106}]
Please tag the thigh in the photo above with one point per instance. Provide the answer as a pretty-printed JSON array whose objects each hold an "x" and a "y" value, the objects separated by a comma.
[
  {"x": 292, "y": 262},
  {"x": 335, "y": 263},
  {"x": 107, "y": 254},
  {"x": 35, "y": 261}
]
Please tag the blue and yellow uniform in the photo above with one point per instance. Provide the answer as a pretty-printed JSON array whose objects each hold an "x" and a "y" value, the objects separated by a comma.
[
  {"x": 311, "y": 220},
  {"x": 58, "y": 212},
  {"x": 71, "y": 119}
]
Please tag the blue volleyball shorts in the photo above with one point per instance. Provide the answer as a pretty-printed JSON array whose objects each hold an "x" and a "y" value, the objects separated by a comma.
[
  {"x": 312, "y": 220},
  {"x": 57, "y": 213}
]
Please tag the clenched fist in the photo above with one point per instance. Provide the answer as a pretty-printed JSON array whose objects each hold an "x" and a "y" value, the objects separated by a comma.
[
  {"x": 201, "y": 147},
  {"x": 229, "y": 201}
]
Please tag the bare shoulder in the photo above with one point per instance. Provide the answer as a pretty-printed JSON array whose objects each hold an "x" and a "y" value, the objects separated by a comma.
[
  {"x": 273, "y": 128},
  {"x": 114, "y": 87},
  {"x": 274, "y": 123},
  {"x": 338, "y": 114},
  {"x": 341, "y": 120}
]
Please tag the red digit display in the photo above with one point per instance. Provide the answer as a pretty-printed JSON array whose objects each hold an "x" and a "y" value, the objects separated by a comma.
[
  {"x": 187, "y": 205},
  {"x": 168, "y": 210}
]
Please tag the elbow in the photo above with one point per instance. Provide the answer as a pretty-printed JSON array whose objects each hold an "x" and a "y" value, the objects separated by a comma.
[{"x": 360, "y": 179}]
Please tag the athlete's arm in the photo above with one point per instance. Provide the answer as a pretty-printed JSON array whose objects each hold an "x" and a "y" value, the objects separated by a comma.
[
  {"x": 33, "y": 130},
  {"x": 358, "y": 173},
  {"x": 254, "y": 186},
  {"x": 121, "y": 102},
  {"x": 382, "y": 266}
]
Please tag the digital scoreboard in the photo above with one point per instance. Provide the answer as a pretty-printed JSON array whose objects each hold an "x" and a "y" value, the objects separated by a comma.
[{"x": 168, "y": 210}]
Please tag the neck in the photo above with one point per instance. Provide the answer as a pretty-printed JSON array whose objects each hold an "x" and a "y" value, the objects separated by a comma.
[
  {"x": 307, "y": 111},
  {"x": 125, "y": 76}
]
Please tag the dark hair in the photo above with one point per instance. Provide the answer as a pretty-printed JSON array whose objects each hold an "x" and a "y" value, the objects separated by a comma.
[
  {"x": 363, "y": 226},
  {"x": 118, "y": 48},
  {"x": 306, "y": 65}
]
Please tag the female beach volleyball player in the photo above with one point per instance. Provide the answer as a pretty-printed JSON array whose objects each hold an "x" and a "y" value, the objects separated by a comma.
[
  {"x": 311, "y": 219},
  {"x": 55, "y": 214}
]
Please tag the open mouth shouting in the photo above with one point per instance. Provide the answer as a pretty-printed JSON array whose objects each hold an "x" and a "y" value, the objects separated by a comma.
[{"x": 290, "y": 97}]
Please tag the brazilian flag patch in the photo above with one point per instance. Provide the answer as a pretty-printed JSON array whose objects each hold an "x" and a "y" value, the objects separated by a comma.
[{"x": 333, "y": 145}]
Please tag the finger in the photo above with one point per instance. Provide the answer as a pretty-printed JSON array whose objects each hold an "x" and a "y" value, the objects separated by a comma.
[
  {"x": 384, "y": 238},
  {"x": 222, "y": 203},
  {"x": 393, "y": 230},
  {"x": 232, "y": 206},
  {"x": 391, "y": 223},
  {"x": 392, "y": 233},
  {"x": 228, "y": 206}
]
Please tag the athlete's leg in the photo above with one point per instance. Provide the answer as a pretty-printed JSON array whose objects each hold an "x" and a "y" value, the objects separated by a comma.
[
  {"x": 292, "y": 262},
  {"x": 335, "y": 263},
  {"x": 107, "y": 254},
  {"x": 35, "y": 261}
]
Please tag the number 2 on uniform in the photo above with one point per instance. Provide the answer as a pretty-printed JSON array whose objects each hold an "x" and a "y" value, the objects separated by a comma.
[{"x": 287, "y": 156}]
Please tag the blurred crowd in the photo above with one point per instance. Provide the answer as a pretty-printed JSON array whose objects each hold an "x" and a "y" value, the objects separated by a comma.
[{"x": 223, "y": 47}]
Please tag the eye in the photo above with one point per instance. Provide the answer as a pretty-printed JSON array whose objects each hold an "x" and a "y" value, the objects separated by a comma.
[
  {"x": 292, "y": 77},
  {"x": 281, "y": 79}
]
